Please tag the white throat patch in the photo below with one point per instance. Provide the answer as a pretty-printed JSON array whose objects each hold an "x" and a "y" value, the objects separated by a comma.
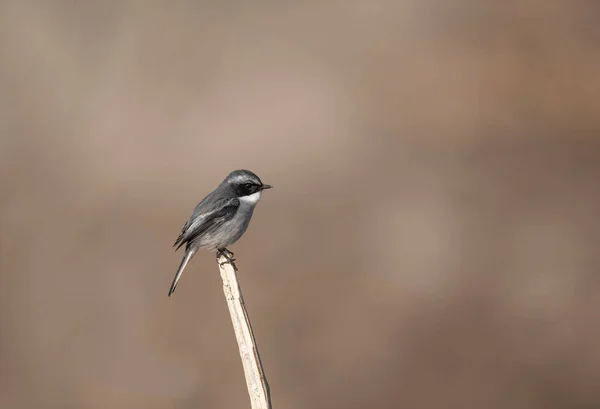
[{"x": 251, "y": 199}]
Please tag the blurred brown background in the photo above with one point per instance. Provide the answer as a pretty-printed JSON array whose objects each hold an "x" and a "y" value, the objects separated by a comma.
[{"x": 431, "y": 241}]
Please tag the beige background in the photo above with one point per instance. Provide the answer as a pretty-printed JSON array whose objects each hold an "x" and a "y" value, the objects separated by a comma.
[{"x": 431, "y": 241}]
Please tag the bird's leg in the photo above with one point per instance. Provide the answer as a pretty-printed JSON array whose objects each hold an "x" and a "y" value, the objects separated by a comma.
[{"x": 228, "y": 255}]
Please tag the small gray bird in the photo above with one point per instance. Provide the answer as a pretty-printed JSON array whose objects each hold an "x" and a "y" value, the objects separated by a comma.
[{"x": 220, "y": 219}]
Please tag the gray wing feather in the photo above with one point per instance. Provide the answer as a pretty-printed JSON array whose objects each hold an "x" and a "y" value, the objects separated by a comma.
[{"x": 207, "y": 216}]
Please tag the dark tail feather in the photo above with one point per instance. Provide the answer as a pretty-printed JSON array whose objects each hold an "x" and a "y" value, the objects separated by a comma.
[{"x": 186, "y": 258}]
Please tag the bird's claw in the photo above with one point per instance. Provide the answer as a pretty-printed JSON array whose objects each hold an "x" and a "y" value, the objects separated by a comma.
[
  {"x": 228, "y": 255},
  {"x": 229, "y": 262}
]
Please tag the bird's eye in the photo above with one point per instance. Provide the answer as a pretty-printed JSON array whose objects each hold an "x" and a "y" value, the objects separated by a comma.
[{"x": 248, "y": 186}]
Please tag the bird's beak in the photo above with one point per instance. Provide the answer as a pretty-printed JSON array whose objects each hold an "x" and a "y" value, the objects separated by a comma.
[{"x": 264, "y": 187}]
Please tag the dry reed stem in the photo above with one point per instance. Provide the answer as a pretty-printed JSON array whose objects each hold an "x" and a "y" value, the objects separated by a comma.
[{"x": 258, "y": 388}]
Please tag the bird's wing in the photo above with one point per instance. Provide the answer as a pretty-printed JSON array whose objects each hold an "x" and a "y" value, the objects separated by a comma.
[{"x": 208, "y": 219}]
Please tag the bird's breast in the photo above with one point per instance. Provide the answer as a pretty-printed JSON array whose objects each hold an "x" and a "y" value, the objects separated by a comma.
[{"x": 230, "y": 231}]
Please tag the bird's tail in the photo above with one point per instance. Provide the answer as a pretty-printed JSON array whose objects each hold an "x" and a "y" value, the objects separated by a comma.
[{"x": 186, "y": 258}]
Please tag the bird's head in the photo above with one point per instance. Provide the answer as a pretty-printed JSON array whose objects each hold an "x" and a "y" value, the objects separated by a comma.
[{"x": 246, "y": 185}]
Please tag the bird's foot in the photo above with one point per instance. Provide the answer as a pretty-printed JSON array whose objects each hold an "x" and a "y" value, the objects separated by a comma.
[{"x": 228, "y": 255}]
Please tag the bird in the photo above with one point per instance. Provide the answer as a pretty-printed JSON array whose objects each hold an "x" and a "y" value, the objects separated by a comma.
[{"x": 220, "y": 219}]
